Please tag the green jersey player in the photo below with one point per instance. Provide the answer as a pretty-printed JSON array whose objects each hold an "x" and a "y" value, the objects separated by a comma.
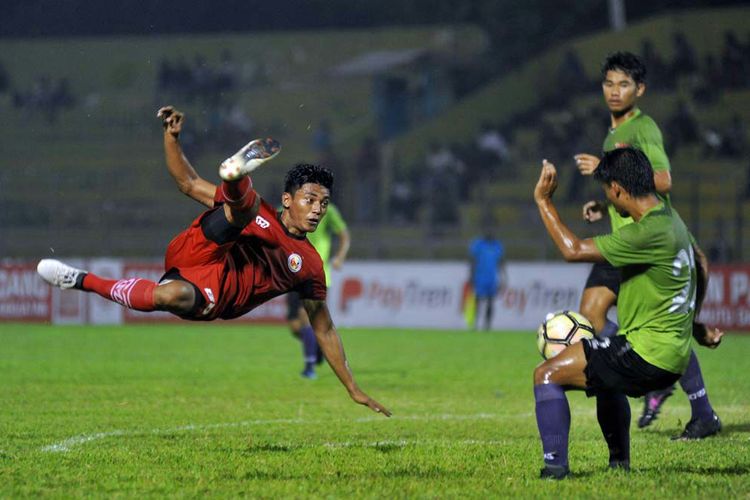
[
  {"x": 322, "y": 239},
  {"x": 658, "y": 301},
  {"x": 623, "y": 84}
]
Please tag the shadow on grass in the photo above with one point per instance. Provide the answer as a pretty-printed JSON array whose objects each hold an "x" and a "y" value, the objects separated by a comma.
[
  {"x": 734, "y": 470},
  {"x": 270, "y": 448},
  {"x": 725, "y": 431}
]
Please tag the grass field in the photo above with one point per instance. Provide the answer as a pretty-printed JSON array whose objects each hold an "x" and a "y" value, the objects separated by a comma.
[{"x": 220, "y": 410}]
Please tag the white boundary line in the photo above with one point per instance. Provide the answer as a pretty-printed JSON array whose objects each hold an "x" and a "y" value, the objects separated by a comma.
[
  {"x": 72, "y": 442},
  {"x": 69, "y": 443}
]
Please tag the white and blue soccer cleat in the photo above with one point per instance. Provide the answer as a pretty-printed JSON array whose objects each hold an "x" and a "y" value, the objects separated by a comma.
[
  {"x": 254, "y": 154},
  {"x": 59, "y": 274}
]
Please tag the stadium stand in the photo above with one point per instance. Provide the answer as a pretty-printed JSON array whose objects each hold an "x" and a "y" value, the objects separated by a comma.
[{"x": 103, "y": 133}]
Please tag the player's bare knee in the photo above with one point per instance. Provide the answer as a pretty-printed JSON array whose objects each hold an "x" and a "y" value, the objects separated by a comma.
[
  {"x": 544, "y": 373},
  {"x": 175, "y": 296},
  {"x": 540, "y": 373}
]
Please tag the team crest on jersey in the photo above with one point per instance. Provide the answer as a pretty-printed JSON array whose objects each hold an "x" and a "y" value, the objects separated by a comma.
[{"x": 294, "y": 262}]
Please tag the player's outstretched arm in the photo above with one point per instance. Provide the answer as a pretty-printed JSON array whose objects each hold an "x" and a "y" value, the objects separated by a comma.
[
  {"x": 333, "y": 350},
  {"x": 572, "y": 248},
  {"x": 187, "y": 179}
]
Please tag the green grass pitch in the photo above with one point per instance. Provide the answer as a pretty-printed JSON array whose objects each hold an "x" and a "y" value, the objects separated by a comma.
[{"x": 220, "y": 410}]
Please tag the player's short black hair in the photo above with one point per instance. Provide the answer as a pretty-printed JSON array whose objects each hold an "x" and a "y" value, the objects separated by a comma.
[
  {"x": 304, "y": 173},
  {"x": 630, "y": 168},
  {"x": 628, "y": 63}
]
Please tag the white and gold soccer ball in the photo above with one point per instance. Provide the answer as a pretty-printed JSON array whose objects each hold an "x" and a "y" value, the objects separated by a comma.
[{"x": 559, "y": 330}]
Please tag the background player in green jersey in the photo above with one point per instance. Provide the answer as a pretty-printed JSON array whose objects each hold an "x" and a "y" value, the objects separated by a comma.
[
  {"x": 659, "y": 296},
  {"x": 623, "y": 84},
  {"x": 331, "y": 225}
]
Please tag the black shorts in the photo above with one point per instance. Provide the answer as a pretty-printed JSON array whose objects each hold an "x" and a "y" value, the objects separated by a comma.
[
  {"x": 200, "y": 302},
  {"x": 604, "y": 274},
  {"x": 293, "y": 303},
  {"x": 613, "y": 366}
]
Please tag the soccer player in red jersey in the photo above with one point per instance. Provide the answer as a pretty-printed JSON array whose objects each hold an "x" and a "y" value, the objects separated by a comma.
[{"x": 238, "y": 254}]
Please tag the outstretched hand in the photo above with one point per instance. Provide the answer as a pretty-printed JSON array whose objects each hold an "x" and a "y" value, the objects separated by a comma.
[
  {"x": 586, "y": 163},
  {"x": 365, "y": 400},
  {"x": 171, "y": 119},
  {"x": 707, "y": 337},
  {"x": 547, "y": 183}
]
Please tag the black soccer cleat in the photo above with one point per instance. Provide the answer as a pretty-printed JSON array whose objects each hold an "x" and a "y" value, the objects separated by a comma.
[
  {"x": 622, "y": 465},
  {"x": 556, "y": 472},
  {"x": 699, "y": 429},
  {"x": 652, "y": 406}
]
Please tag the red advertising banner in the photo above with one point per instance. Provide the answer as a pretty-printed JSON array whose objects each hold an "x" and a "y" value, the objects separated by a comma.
[
  {"x": 727, "y": 303},
  {"x": 23, "y": 296},
  {"x": 360, "y": 295}
]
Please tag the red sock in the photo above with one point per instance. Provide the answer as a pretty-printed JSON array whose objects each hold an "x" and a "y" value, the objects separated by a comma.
[
  {"x": 133, "y": 293},
  {"x": 238, "y": 194}
]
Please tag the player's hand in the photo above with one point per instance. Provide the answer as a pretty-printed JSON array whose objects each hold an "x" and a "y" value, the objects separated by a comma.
[
  {"x": 171, "y": 119},
  {"x": 337, "y": 263},
  {"x": 593, "y": 211},
  {"x": 365, "y": 400},
  {"x": 547, "y": 183},
  {"x": 707, "y": 337},
  {"x": 586, "y": 163}
]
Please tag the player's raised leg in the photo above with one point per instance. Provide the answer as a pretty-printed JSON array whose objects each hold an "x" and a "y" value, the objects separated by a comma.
[
  {"x": 139, "y": 294},
  {"x": 241, "y": 203}
]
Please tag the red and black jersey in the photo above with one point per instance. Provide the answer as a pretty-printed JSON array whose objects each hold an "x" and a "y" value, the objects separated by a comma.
[{"x": 265, "y": 261}]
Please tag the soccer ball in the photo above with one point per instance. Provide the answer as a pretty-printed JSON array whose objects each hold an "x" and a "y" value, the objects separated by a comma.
[{"x": 559, "y": 330}]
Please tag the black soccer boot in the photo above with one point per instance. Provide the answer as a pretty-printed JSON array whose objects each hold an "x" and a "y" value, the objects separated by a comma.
[
  {"x": 555, "y": 472},
  {"x": 699, "y": 429},
  {"x": 652, "y": 406}
]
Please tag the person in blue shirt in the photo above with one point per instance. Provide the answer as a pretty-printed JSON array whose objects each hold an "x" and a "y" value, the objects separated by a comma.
[{"x": 487, "y": 275}]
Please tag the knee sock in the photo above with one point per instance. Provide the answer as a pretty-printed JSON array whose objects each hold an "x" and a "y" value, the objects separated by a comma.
[
  {"x": 238, "y": 194},
  {"x": 692, "y": 383},
  {"x": 613, "y": 414},
  {"x": 553, "y": 420},
  {"x": 610, "y": 330},
  {"x": 133, "y": 293},
  {"x": 309, "y": 346}
]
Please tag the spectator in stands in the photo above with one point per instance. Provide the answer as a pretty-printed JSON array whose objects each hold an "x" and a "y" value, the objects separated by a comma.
[
  {"x": 4, "y": 79},
  {"x": 713, "y": 142},
  {"x": 685, "y": 62},
  {"x": 492, "y": 148},
  {"x": 571, "y": 77},
  {"x": 227, "y": 74},
  {"x": 442, "y": 193},
  {"x": 719, "y": 252},
  {"x": 708, "y": 86},
  {"x": 682, "y": 127},
  {"x": 322, "y": 139},
  {"x": 733, "y": 62},
  {"x": 735, "y": 138},
  {"x": 659, "y": 76},
  {"x": 403, "y": 203},
  {"x": 369, "y": 182}
]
